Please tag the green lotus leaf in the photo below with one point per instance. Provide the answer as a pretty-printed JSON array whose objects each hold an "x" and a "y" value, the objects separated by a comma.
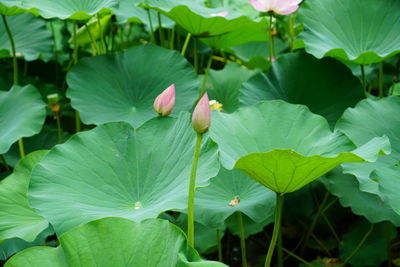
[
  {"x": 285, "y": 146},
  {"x": 229, "y": 192},
  {"x": 115, "y": 170},
  {"x": 214, "y": 29},
  {"x": 123, "y": 87},
  {"x": 362, "y": 32},
  {"x": 371, "y": 118},
  {"x": 116, "y": 242},
  {"x": 92, "y": 31},
  {"x": 325, "y": 86},
  {"x": 347, "y": 188},
  {"x": 31, "y": 42},
  {"x": 11, "y": 7},
  {"x": 17, "y": 219},
  {"x": 224, "y": 85},
  {"x": 22, "y": 114},
  {"x": 72, "y": 9}
]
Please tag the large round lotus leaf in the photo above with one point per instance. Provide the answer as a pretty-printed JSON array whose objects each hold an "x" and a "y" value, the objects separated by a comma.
[
  {"x": 116, "y": 242},
  {"x": 211, "y": 25},
  {"x": 224, "y": 85},
  {"x": 371, "y": 206},
  {"x": 325, "y": 86},
  {"x": 117, "y": 171},
  {"x": 372, "y": 118},
  {"x": 229, "y": 192},
  {"x": 17, "y": 219},
  {"x": 123, "y": 87},
  {"x": 71, "y": 9},
  {"x": 22, "y": 114},
  {"x": 285, "y": 146},
  {"x": 10, "y": 7},
  {"x": 31, "y": 42},
  {"x": 361, "y": 31}
]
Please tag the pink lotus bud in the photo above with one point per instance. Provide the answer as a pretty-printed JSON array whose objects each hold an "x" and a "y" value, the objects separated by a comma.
[
  {"x": 201, "y": 117},
  {"x": 165, "y": 102},
  {"x": 282, "y": 7}
]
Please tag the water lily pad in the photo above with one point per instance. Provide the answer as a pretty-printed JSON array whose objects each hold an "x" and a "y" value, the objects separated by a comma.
[
  {"x": 22, "y": 114},
  {"x": 116, "y": 242},
  {"x": 218, "y": 28},
  {"x": 233, "y": 191},
  {"x": 123, "y": 87},
  {"x": 362, "y": 32},
  {"x": 371, "y": 118},
  {"x": 224, "y": 85},
  {"x": 73, "y": 9},
  {"x": 17, "y": 219},
  {"x": 285, "y": 146},
  {"x": 31, "y": 42},
  {"x": 115, "y": 170},
  {"x": 325, "y": 86}
]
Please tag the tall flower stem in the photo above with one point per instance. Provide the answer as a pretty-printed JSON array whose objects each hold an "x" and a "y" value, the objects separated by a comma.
[
  {"x": 280, "y": 242},
  {"x": 13, "y": 51},
  {"x": 206, "y": 74},
  {"x": 219, "y": 246},
  {"x": 186, "y": 43},
  {"x": 242, "y": 239},
  {"x": 277, "y": 228},
  {"x": 271, "y": 38},
  {"x": 192, "y": 186},
  {"x": 160, "y": 29},
  {"x": 75, "y": 59},
  {"x": 153, "y": 39},
  {"x": 363, "y": 80}
]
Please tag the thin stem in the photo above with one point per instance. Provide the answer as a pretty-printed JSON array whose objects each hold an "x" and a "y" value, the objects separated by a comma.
[
  {"x": 75, "y": 60},
  {"x": 94, "y": 44},
  {"x": 153, "y": 39},
  {"x": 297, "y": 257},
  {"x": 104, "y": 46},
  {"x": 292, "y": 19},
  {"x": 277, "y": 226},
  {"x": 280, "y": 241},
  {"x": 355, "y": 251},
  {"x": 21, "y": 148},
  {"x": 13, "y": 51},
  {"x": 363, "y": 76},
  {"x": 192, "y": 186},
  {"x": 196, "y": 57},
  {"x": 219, "y": 246},
  {"x": 206, "y": 74},
  {"x": 160, "y": 29},
  {"x": 388, "y": 228},
  {"x": 242, "y": 239},
  {"x": 5, "y": 164},
  {"x": 186, "y": 43},
  {"x": 330, "y": 226},
  {"x": 270, "y": 41},
  {"x": 172, "y": 39},
  {"x": 381, "y": 79},
  {"x": 55, "y": 50},
  {"x": 314, "y": 222},
  {"x": 59, "y": 129}
]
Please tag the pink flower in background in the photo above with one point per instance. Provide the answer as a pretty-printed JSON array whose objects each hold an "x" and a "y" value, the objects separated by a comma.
[
  {"x": 282, "y": 7},
  {"x": 220, "y": 14},
  {"x": 201, "y": 117},
  {"x": 165, "y": 102}
]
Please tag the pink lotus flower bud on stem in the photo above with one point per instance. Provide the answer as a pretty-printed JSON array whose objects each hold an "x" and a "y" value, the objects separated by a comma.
[
  {"x": 201, "y": 117},
  {"x": 282, "y": 7},
  {"x": 165, "y": 102}
]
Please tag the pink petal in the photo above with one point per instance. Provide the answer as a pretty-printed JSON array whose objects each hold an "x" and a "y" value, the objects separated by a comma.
[
  {"x": 287, "y": 10},
  {"x": 165, "y": 102},
  {"x": 201, "y": 117},
  {"x": 257, "y": 4},
  {"x": 220, "y": 14}
]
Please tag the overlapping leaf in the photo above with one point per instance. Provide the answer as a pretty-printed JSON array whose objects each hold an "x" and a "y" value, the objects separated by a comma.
[
  {"x": 115, "y": 170},
  {"x": 116, "y": 242}
]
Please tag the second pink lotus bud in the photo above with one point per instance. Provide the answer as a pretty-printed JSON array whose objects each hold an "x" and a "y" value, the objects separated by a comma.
[
  {"x": 201, "y": 117},
  {"x": 165, "y": 102}
]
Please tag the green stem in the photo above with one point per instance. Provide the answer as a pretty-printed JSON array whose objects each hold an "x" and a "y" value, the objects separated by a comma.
[
  {"x": 292, "y": 19},
  {"x": 314, "y": 222},
  {"x": 330, "y": 226},
  {"x": 186, "y": 43},
  {"x": 160, "y": 29},
  {"x": 355, "y": 251},
  {"x": 242, "y": 239},
  {"x": 196, "y": 57},
  {"x": 381, "y": 79},
  {"x": 103, "y": 43},
  {"x": 21, "y": 148},
  {"x": 277, "y": 226},
  {"x": 59, "y": 129},
  {"x": 94, "y": 44},
  {"x": 172, "y": 39},
  {"x": 270, "y": 40},
  {"x": 363, "y": 76},
  {"x": 153, "y": 39},
  {"x": 297, "y": 257},
  {"x": 55, "y": 50},
  {"x": 4, "y": 163},
  {"x": 206, "y": 74},
  {"x": 280, "y": 241},
  {"x": 389, "y": 226},
  {"x": 219, "y": 246},
  {"x": 13, "y": 51},
  {"x": 75, "y": 58},
  {"x": 192, "y": 186}
]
